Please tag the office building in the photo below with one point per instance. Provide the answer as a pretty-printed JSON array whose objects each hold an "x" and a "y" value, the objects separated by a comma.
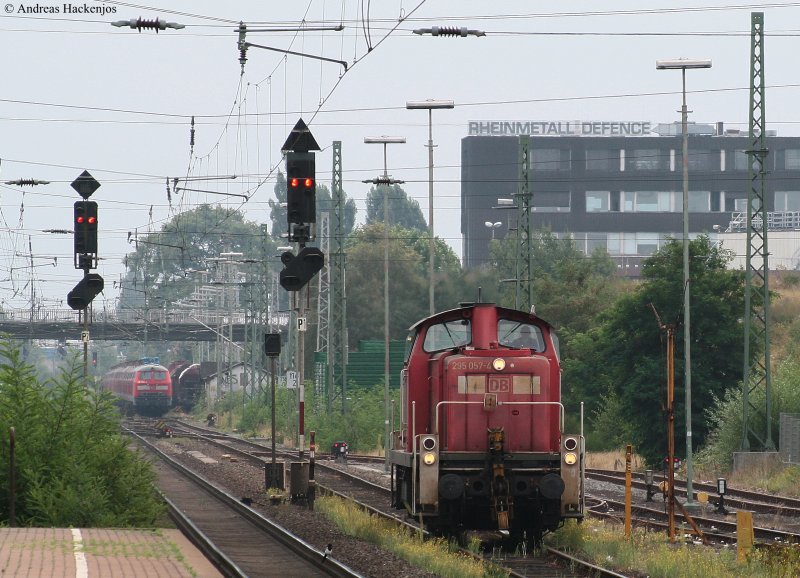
[{"x": 617, "y": 185}]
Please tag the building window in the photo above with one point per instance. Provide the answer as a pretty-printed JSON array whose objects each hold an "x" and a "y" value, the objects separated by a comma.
[
  {"x": 601, "y": 159},
  {"x": 646, "y": 243},
  {"x": 550, "y": 159},
  {"x": 596, "y": 241},
  {"x": 731, "y": 203},
  {"x": 597, "y": 201},
  {"x": 551, "y": 202},
  {"x": 646, "y": 160},
  {"x": 700, "y": 160},
  {"x": 614, "y": 243},
  {"x": 787, "y": 200},
  {"x": 716, "y": 201},
  {"x": 699, "y": 201},
  {"x": 740, "y": 160},
  {"x": 792, "y": 159},
  {"x": 647, "y": 201},
  {"x": 740, "y": 205}
]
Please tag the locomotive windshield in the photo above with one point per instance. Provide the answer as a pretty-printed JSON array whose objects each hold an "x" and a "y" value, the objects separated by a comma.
[
  {"x": 448, "y": 335},
  {"x": 155, "y": 374},
  {"x": 520, "y": 335}
]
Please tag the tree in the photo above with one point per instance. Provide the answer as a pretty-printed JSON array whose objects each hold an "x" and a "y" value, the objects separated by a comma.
[
  {"x": 73, "y": 466},
  {"x": 407, "y": 289},
  {"x": 625, "y": 355},
  {"x": 158, "y": 268},
  {"x": 408, "y": 280},
  {"x": 403, "y": 211},
  {"x": 325, "y": 204},
  {"x": 569, "y": 287}
]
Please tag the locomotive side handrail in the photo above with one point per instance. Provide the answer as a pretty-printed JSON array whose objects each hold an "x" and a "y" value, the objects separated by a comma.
[{"x": 499, "y": 403}]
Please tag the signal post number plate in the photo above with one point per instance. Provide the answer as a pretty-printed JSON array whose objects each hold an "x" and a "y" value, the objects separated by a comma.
[{"x": 85, "y": 336}]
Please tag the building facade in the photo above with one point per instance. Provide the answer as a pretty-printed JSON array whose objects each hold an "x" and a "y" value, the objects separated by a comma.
[{"x": 615, "y": 185}]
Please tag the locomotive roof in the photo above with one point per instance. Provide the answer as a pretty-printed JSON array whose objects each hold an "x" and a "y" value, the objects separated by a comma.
[
  {"x": 505, "y": 312},
  {"x": 137, "y": 364}
]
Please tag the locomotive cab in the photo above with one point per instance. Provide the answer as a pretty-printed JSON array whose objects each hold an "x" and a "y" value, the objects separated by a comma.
[{"x": 481, "y": 444}]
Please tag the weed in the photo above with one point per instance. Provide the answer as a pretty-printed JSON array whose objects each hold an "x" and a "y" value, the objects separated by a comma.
[{"x": 434, "y": 555}]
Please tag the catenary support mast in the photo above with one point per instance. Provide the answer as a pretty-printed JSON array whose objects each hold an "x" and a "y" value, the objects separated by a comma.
[{"x": 757, "y": 409}]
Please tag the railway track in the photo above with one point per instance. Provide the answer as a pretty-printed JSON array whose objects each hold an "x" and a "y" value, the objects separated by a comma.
[
  {"x": 734, "y": 498},
  {"x": 243, "y": 542},
  {"x": 336, "y": 479},
  {"x": 776, "y": 518},
  {"x": 718, "y": 530}
]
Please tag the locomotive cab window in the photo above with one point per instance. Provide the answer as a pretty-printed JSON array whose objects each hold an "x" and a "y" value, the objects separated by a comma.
[
  {"x": 519, "y": 335},
  {"x": 448, "y": 335}
]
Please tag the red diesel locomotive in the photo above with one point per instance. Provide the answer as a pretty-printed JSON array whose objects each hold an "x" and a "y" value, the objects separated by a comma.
[
  {"x": 481, "y": 443},
  {"x": 141, "y": 385}
]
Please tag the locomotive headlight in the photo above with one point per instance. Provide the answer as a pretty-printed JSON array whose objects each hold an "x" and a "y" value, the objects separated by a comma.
[
  {"x": 499, "y": 364},
  {"x": 570, "y": 458},
  {"x": 429, "y": 459}
]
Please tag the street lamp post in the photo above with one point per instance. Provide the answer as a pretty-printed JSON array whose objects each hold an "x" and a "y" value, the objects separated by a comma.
[
  {"x": 682, "y": 64},
  {"x": 493, "y": 226},
  {"x": 385, "y": 182},
  {"x": 429, "y": 105}
]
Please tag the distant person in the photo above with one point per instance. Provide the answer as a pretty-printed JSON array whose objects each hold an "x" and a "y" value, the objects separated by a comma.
[{"x": 526, "y": 339}]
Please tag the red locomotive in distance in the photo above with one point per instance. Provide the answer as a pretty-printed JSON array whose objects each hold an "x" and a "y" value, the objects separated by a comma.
[
  {"x": 481, "y": 443},
  {"x": 141, "y": 385}
]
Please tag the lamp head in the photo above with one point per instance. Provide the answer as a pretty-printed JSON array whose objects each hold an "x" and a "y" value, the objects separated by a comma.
[
  {"x": 384, "y": 139},
  {"x": 682, "y": 64},
  {"x": 430, "y": 104}
]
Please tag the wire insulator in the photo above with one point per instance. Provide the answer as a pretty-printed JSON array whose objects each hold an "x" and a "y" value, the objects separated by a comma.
[
  {"x": 144, "y": 24},
  {"x": 448, "y": 31},
  {"x": 191, "y": 134}
]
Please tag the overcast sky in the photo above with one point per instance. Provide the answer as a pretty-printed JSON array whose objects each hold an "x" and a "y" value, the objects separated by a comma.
[{"x": 80, "y": 94}]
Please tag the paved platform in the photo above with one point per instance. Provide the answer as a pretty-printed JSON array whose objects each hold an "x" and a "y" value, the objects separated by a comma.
[{"x": 100, "y": 553}]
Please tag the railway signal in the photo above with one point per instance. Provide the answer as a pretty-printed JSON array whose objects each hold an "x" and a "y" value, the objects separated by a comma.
[
  {"x": 87, "y": 289},
  {"x": 85, "y": 227},
  {"x": 300, "y": 269},
  {"x": 301, "y": 188}
]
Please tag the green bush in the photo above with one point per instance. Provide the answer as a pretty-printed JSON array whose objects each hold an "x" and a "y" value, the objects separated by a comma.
[{"x": 73, "y": 467}]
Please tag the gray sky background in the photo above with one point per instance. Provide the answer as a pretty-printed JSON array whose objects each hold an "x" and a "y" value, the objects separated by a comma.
[{"x": 79, "y": 94}]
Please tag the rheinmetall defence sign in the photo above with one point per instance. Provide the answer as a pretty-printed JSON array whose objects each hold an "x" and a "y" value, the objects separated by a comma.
[{"x": 558, "y": 128}]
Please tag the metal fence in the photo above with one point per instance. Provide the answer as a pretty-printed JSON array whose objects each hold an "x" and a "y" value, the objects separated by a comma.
[
  {"x": 790, "y": 438},
  {"x": 775, "y": 220}
]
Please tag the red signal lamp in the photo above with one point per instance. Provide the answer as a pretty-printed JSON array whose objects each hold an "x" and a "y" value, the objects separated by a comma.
[
  {"x": 306, "y": 182},
  {"x": 79, "y": 219},
  {"x": 91, "y": 220}
]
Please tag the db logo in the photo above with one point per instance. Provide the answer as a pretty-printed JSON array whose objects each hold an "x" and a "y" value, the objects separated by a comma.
[{"x": 499, "y": 384}]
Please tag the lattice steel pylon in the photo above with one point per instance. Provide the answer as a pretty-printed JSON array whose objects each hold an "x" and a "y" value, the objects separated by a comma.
[
  {"x": 337, "y": 302},
  {"x": 323, "y": 303},
  {"x": 757, "y": 413},
  {"x": 523, "y": 299}
]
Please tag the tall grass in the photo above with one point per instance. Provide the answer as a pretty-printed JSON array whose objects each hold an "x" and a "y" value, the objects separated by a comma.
[
  {"x": 436, "y": 555},
  {"x": 651, "y": 554}
]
